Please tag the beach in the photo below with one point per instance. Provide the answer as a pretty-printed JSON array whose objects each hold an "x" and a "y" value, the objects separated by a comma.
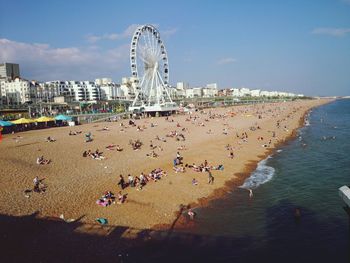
[{"x": 74, "y": 182}]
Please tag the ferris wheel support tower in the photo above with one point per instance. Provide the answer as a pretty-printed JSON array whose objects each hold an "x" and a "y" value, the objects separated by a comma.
[{"x": 149, "y": 64}]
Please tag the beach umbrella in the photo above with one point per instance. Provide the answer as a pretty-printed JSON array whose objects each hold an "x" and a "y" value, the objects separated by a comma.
[
  {"x": 22, "y": 121},
  {"x": 5, "y": 123},
  {"x": 44, "y": 119},
  {"x": 62, "y": 117}
]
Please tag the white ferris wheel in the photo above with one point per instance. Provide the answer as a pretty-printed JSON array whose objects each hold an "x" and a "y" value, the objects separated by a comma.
[{"x": 149, "y": 65}]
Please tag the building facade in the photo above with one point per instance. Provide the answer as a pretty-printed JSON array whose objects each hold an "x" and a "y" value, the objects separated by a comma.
[{"x": 9, "y": 71}]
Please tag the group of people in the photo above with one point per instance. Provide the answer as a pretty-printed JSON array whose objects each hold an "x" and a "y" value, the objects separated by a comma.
[
  {"x": 140, "y": 181},
  {"x": 97, "y": 155},
  {"x": 38, "y": 187},
  {"x": 109, "y": 198},
  {"x": 135, "y": 144}
]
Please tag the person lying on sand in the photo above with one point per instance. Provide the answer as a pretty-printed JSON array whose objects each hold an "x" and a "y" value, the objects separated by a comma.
[
  {"x": 50, "y": 139},
  {"x": 182, "y": 148},
  {"x": 152, "y": 154},
  {"x": 118, "y": 148},
  {"x": 41, "y": 160},
  {"x": 110, "y": 147},
  {"x": 179, "y": 169}
]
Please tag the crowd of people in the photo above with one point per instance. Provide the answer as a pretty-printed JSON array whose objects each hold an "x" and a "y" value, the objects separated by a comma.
[{"x": 200, "y": 119}]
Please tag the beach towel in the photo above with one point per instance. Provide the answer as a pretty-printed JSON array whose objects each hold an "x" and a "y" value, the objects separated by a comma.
[{"x": 102, "y": 221}]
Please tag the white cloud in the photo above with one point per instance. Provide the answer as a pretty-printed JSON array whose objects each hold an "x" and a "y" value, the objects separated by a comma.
[
  {"x": 127, "y": 33},
  {"x": 168, "y": 32},
  {"x": 335, "y": 32},
  {"x": 225, "y": 61},
  {"x": 42, "y": 62}
]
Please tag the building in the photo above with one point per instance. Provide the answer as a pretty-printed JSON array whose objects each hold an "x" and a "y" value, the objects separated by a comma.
[
  {"x": 180, "y": 90},
  {"x": 129, "y": 87},
  {"x": 210, "y": 90},
  {"x": 18, "y": 91},
  {"x": 111, "y": 91},
  {"x": 103, "y": 81},
  {"x": 242, "y": 92},
  {"x": 255, "y": 93},
  {"x": 84, "y": 91},
  {"x": 194, "y": 92},
  {"x": 9, "y": 71}
]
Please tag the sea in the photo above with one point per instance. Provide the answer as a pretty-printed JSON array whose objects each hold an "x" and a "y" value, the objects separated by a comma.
[{"x": 295, "y": 213}]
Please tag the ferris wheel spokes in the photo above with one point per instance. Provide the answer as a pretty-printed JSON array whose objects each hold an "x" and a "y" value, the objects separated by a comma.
[{"x": 149, "y": 64}]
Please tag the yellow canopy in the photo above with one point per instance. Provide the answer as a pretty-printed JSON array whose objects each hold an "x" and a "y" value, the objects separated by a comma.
[
  {"x": 44, "y": 119},
  {"x": 22, "y": 121}
]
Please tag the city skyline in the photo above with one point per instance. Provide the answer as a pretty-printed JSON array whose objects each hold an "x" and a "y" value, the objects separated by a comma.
[{"x": 295, "y": 46}]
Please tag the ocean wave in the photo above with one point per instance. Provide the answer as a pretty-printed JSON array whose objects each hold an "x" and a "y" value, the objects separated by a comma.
[{"x": 262, "y": 174}]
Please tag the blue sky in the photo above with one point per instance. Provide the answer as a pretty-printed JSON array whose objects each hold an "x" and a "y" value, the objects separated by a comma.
[{"x": 298, "y": 46}]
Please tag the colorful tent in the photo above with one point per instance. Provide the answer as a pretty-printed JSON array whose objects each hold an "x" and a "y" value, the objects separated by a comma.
[
  {"x": 44, "y": 119},
  {"x": 5, "y": 123},
  {"x": 63, "y": 118},
  {"x": 22, "y": 121}
]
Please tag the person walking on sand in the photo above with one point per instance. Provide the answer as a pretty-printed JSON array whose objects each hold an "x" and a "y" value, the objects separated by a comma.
[{"x": 210, "y": 177}]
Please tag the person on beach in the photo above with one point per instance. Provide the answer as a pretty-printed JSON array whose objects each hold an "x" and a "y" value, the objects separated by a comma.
[
  {"x": 121, "y": 182},
  {"x": 250, "y": 193},
  {"x": 36, "y": 183},
  {"x": 210, "y": 177},
  {"x": 191, "y": 214},
  {"x": 131, "y": 180}
]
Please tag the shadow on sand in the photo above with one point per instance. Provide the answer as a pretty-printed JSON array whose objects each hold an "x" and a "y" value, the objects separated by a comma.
[{"x": 32, "y": 239}]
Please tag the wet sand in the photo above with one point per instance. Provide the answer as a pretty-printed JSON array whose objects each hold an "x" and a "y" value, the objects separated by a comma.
[{"x": 74, "y": 183}]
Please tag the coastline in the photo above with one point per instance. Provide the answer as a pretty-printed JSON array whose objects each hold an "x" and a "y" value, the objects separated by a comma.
[
  {"x": 159, "y": 189},
  {"x": 220, "y": 193}
]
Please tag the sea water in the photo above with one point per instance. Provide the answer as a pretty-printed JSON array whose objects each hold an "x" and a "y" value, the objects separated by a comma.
[{"x": 304, "y": 174}]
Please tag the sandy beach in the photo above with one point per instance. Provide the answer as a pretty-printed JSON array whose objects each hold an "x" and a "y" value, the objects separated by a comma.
[{"x": 74, "y": 182}]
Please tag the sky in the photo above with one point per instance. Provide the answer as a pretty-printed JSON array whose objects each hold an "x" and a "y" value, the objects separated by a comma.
[{"x": 292, "y": 45}]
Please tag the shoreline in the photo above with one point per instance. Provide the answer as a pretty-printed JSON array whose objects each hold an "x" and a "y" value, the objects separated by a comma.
[
  {"x": 52, "y": 208},
  {"x": 221, "y": 193}
]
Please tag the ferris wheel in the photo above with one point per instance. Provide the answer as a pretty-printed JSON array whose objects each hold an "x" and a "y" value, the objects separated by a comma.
[{"x": 149, "y": 65}]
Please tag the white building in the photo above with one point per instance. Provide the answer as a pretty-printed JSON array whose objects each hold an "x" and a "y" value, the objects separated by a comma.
[
  {"x": 18, "y": 91},
  {"x": 103, "y": 81},
  {"x": 194, "y": 92},
  {"x": 242, "y": 92},
  {"x": 84, "y": 91},
  {"x": 111, "y": 91},
  {"x": 255, "y": 93},
  {"x": 211, "y": 90},
  {"x": 180, "y": 90},
  {"x": 129, "y": 87}
]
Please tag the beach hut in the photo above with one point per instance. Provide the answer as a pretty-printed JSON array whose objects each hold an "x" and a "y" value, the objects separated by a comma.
[
  {"x": 44, "y": 119},
  {"x": 22, "y": 121},
  {"x": 62, "y": 117}
]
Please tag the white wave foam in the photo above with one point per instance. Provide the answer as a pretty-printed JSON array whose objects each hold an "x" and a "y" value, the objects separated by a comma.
[
  {"x": 279, "y": 150},
  {"x": 261, "y": 175}
]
